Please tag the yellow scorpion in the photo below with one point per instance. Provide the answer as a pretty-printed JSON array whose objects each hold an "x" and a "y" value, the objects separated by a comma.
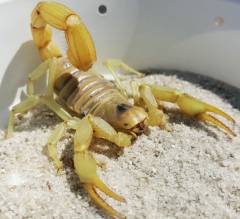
[{"x": 92, "y": 105}]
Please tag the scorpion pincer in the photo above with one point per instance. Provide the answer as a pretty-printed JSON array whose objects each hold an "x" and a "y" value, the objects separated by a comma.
[{"x": 92, "y": 105}]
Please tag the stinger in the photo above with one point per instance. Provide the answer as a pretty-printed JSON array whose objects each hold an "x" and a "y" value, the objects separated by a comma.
[{"x": 81, "y": 49}]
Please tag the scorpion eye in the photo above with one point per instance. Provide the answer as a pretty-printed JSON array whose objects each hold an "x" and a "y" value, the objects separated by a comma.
[{"x": 123, "y": 107}]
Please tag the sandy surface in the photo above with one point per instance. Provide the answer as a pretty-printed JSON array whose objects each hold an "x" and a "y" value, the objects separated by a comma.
[{"x": 191, "y": 172}]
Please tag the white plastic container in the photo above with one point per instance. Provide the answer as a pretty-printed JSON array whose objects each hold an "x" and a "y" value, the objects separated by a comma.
[{"x": 190, "y": 35}]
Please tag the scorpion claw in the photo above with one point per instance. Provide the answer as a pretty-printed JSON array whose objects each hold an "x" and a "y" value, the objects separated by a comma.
[
  {"x": 215, "y": 121},
  {"x": 100, "y": 202},
  {"x": 199, "y": 109},
  {"x": 213, "y": 109},
  {"x": 192, "y": 106},
  {"x": 98, "y": 183},
  {"x": 86, "y": 165}
]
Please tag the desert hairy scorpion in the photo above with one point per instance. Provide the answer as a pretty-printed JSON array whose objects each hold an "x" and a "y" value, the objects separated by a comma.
[{"x": 92, "y": 105}]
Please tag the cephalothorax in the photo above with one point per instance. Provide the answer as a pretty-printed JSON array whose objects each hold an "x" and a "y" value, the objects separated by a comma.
[{"x": 92, "y": 105}]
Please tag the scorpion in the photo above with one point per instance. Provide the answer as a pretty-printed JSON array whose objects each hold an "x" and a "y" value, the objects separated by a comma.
[{"x": 91, "y": 105}]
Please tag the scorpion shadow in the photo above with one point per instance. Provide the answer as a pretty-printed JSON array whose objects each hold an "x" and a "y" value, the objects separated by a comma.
[
  {"x": 177, "y": 117},
  {"x": 15, "y": 77}
]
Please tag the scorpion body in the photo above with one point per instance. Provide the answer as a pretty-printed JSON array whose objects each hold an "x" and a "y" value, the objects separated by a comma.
[
  {"x": 92, "y": 105},
  {"x": 87, "y": 93},
  {"x": 83, "y": 92}
]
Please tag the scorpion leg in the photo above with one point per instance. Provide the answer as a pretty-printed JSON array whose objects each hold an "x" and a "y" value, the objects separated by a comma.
[
  {"x": 52, "y": 145},
  {"x": 49, "y": 66},
  {"x": 36, "y": 74},
  {"x": 20, "y": 108},
  {"x": 53, "y": 66},
  {"x": 55, "y": 107},
  {"x": 192, "y": 106},
  {"x": 116, "y": 78},
  {"x": 118, "y": 64},
  {"x": 156, "y": 115},
  {"x": 33, "y": 99},
  {"x": 48, "y": 99},
  {"x": 135, "y": 92},
  {"x": 112, "y": 65},
  {"x": 85, "y": 164},
  {"x": 31, "y": 102},
  {"x": 54, "y": 139},
  {"x": 144, "y": 97}
]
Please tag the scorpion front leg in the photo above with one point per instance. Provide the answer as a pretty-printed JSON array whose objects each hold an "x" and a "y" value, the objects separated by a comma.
[
  {"x": 192, "y": 106},
  {"x": 85, "y": 164}
]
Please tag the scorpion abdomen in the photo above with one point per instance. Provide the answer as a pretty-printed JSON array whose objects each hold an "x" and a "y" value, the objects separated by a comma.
[{"x": 85, "y": 92}]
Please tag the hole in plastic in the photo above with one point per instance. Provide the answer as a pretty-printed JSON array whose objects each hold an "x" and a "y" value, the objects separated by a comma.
[{"x": 102, "y": 9}]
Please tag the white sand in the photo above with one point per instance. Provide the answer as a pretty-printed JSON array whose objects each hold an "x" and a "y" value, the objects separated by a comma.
[{"x": 191, "y": 172}]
